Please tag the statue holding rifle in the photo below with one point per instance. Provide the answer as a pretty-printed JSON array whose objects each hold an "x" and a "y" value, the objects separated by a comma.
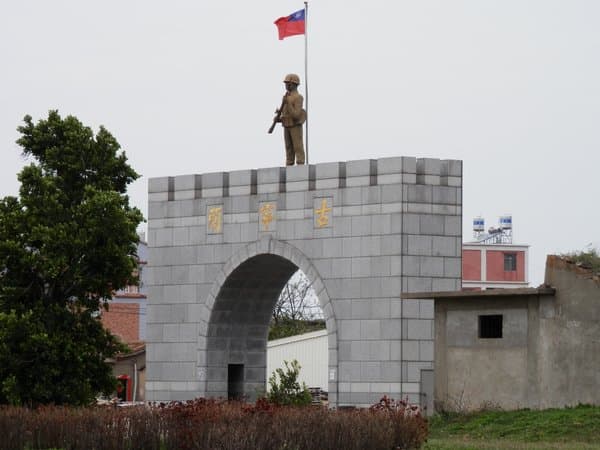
[{"x": 292, "y": 116}]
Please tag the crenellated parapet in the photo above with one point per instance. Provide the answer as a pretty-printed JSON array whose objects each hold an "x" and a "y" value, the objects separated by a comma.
[{"x": 367, "y": 172}]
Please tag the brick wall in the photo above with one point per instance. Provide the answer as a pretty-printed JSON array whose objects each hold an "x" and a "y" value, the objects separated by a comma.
[{"x": 123, "y": 320}]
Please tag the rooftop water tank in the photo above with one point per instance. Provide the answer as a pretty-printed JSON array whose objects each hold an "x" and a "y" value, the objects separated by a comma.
[
  {"x": 478, "y": 224},
  {"x": 505, "y": 222}
]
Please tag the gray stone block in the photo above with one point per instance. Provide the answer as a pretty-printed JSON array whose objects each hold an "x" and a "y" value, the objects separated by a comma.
[
  {"x": 419, "y": 329},
  {"x": 389, "y": 165},
  {"x": 426, "y": 309},
  {"x": 298, "y": 173},
  {"x": 391, "y": 329},
  {"x": 409, "y": 165},
  {"x": 370, "y": 371},
  {"x": 349, "y": 330},
  {"x": 417, "y": 284},
  {"x": 444, "y": 246},
  {"x": 431, "y": 224},
  {"x": 419, "y": 193},
  {"x": 351, "y": 246},
  {"x": 452, "y": 268},
  {"x": 185, "y": 183},
  {"x": 431, "y": 266},
  {"x": 158, "y": 196},
  {"x": 352, "y": 196},
  {"x": 350, "y": 371},
  {"x": 158, "y": 184},
  {"x": 433, "y": 180},
  {"x": 268, "y": 176},
  {"x": 423, "y": 245},
  {"x": 454, "y": 167},
  {"x": 361, "y": 226},
  {"x": 391, "y": 245},
  {"x": 334, "y": 170},
  {"x": 443, "y": 284},
  {"x": 391, "y": 193},
  {"x": 429, "y": 166},
  {"x": 444, "y": 195},
  {"x": 426, "y": 350},
  {"x": 358, "y": 168},
  {"x": 410, "y": 350},
  {"x": 452, "y": 226},
  {"x": 370, "y": 329}
]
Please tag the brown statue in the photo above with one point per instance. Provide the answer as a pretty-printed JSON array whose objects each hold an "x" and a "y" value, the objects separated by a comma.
[{"x": 292, "y": 116}]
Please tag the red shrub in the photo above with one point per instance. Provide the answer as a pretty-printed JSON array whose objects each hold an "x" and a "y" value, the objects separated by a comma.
[{"x": 204, "y": 424}]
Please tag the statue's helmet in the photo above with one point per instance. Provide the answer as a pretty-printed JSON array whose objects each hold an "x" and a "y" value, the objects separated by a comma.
[{"x": 292, "y": 78}]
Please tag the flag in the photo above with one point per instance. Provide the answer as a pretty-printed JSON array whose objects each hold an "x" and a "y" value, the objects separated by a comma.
[{"x": 290, "y": 25}]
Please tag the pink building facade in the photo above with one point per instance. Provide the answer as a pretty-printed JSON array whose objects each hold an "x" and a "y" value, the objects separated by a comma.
[{"x": 493, "y": 266}]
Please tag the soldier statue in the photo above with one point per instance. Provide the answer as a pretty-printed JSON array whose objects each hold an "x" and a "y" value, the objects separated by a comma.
[{"x": 292, "y": 116}]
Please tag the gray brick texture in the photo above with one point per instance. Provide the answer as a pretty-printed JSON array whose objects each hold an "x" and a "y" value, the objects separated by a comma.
[{"x": 362, "y": 232}]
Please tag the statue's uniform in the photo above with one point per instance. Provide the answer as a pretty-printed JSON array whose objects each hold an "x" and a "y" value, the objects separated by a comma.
[{"x": 292, "y": 118}]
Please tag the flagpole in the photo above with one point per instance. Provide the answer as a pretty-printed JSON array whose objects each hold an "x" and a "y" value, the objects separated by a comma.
[{"x": 306, "y": 70}]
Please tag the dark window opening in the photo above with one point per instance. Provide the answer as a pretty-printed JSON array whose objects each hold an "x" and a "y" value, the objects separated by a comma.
[
  {"x": 510, "y": 262},
  {"x": 490, "y": 327}
]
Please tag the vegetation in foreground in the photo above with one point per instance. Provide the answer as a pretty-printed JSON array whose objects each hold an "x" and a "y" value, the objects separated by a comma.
[
  {"x": 285, "y": 389},
  {"x": 569, "y": 428},
  {"x": 208, "y": 424}
]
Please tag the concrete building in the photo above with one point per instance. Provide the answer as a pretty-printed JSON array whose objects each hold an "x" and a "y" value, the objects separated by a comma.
[{"x": 519, "y": 348}]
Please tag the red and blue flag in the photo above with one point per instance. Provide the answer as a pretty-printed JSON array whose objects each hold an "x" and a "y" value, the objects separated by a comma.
[{"x": 291, "y": 25}]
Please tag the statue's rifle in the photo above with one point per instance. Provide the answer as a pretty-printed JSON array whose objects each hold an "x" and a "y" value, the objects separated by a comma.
[{"x": 277, "y": 118}]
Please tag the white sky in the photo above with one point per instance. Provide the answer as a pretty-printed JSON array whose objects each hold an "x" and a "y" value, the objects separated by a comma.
[{"x": 510, "y": 87}]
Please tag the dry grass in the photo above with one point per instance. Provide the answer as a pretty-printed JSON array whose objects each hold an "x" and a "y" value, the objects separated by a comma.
[{"x": 212, "y": 424}]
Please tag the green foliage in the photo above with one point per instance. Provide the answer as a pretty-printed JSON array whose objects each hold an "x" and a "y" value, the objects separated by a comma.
[
  {"x": 66, "y": 244},
  {"x": 284, "y": 387},
  {"x": 289, "y": 327},
  {"x": 589, "y": 259}
]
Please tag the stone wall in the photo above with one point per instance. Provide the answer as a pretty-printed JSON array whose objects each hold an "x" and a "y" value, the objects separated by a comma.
[{"x": 223, "y": 244}]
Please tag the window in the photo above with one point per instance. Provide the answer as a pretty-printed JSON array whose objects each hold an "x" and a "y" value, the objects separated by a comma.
[
  {"x": 510, "y": 262},
  {"x": 490, "y": 327}
]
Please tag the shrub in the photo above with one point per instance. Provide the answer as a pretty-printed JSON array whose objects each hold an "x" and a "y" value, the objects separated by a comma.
[
  {"x": 589, "y": 259},
  {"x": 203, "y": 424},
  {"x": 284, "y": 387}
]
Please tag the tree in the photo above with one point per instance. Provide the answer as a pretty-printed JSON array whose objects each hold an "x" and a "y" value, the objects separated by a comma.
[
  {"x": 297, "y": 309},
  {"x": 66, "y": 244}
]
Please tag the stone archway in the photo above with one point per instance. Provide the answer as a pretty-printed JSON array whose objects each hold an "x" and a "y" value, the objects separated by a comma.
[
  {"x": 232, "y": 351},
  {"x": 222, "y": 244}
]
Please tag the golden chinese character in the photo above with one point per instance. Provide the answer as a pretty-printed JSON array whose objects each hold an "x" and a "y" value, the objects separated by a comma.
[
  {"x": 215, "y": 219},
  {"x": 323, "y": 214},
  {"x": 266, "y": 214}
]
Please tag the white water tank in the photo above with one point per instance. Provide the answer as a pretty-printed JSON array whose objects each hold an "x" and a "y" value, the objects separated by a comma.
[
  {"x": 478, "y": 225},
  {"x": 505, "y": 222}
]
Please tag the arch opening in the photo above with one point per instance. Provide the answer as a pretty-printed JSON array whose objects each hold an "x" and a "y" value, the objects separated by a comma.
[{"x": 238, "y": 329}]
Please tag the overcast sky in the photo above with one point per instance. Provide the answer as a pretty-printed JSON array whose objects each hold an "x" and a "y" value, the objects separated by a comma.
[{"x": 510, "y": 87}]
